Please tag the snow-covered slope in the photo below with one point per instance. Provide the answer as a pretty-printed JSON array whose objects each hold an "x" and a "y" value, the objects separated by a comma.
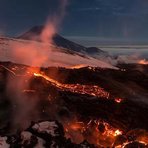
[
  {"x": 36, "y": 33},
  {"x": 40, "y": 54}
]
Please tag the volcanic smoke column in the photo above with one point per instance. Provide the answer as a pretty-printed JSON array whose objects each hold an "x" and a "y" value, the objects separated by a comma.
[{"x": 31, "y": 54}]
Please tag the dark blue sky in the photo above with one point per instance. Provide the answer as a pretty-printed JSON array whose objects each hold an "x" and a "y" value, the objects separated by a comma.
[{"x": 85, "y": 19}]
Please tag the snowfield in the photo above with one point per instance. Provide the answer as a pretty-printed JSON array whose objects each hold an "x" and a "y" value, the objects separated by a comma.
[
  {"x": 46, "y": 127},
  {"x": 35, "y": 53}
]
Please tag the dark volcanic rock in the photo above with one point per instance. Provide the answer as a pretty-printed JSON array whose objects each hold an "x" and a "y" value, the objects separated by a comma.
[
  {"x": 50, "y": 134},
  {"x": 43, "y": 134},
  {"x": 53, "y": 103},
  {"x": 136, "y": 145}
]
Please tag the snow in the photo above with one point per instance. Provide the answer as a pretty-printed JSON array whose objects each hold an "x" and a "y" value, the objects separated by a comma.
[
  {"x": 3, "y": 143},
  {"x": 46, "y": 127},
  {"x": 40, "y": 143},
  {"x": 35, "y": 53},
  {"x": 53, "y": 145},
  {"x": 26, "y": 136}
]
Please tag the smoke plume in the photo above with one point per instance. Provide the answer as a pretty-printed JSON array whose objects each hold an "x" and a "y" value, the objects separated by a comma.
[
  {"x": 34, "y": 55},
  {"x": 53, "y": 23}
]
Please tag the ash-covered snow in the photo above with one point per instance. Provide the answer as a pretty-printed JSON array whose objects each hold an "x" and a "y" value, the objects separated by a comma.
[
  {"x": 32, "y": 139},
  {"x": 40, "y": 143},
  {"x": 41, "y": 135},
  {"x": 26, "y": 135},
  {"x": 35, "y": 53},
  {"x": 53, "y": 145},
  {"x": 46, "y": 127},
  {"x": 3, "y": 143},
  {"x": 26, "y": 140}
]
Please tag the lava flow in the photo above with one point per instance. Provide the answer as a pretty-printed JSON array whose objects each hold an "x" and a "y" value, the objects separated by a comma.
[
  {"x": 143, "y": 62},
  {"x": 97, "y": 132},
  {"x": 118, "y": 100},
  {"x": 92, "y": 90},
  {"x": 102, "y": 134}
]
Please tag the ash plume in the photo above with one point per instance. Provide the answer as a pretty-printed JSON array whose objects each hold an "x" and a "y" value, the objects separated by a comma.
[
  {"x": 53, "y": 22},
  {"x": 32, "y": 54}
]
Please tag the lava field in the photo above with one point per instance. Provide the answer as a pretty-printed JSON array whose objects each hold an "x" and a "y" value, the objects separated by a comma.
[{"x": 75, "y": 107}]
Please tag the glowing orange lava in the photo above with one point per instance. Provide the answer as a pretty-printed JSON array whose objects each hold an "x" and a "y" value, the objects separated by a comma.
[
  {"x": 144, "y": 62},
  {"x": 29, "y": 91},
  {"x": 92, "y": 90},
  {"x": 92, "y": 133},
  {"x": 78, "y": 66},
  {"x": 100, "y": 133},
  {"x": 118, "y": 100},
  {"x": 117, "y": 132}
]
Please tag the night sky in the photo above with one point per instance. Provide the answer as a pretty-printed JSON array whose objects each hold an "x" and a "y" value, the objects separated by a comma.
[{"x": 85, "y": 20}]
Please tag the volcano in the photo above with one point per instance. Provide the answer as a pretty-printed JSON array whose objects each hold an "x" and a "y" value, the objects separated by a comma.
[
  {"x": 104, "y": 108},
  {"x": 46, "y": 54},
  {"x": 35, "y": 32},
  {"x": 58, "y": 95}
]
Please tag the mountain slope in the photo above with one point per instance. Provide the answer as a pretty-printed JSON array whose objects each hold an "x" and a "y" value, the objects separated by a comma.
[
  {"x": 40, "y": 54},
  {"x": 35, "y": 32}
]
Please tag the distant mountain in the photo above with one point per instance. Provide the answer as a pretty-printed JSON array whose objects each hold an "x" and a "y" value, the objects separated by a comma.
[
  {"x": 94, "y": 52},
  {"x": 35, "y": 32},
  {"x": 35, "y": 53}
]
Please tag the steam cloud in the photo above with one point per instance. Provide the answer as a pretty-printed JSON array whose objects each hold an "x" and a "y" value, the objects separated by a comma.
[
  {"x": 31, "y": 53},
  {"x": 123, "y": 59},
  {"x": 53, "y": 23}
]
